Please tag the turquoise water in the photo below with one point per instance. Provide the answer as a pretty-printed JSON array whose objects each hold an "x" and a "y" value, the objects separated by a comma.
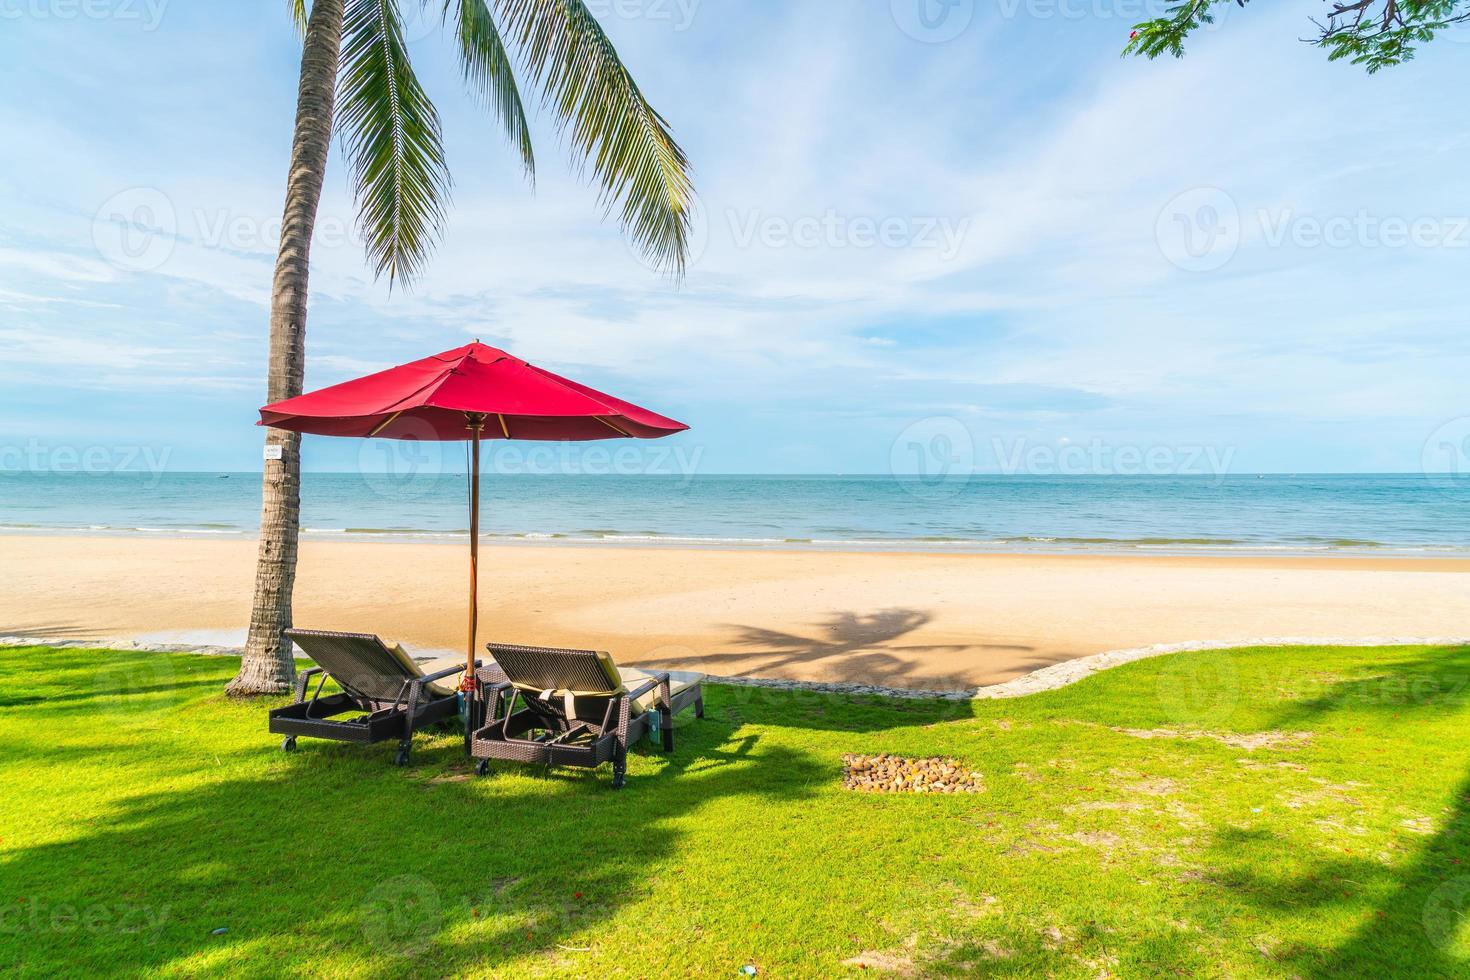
[{"x": 1377, "y": 514}]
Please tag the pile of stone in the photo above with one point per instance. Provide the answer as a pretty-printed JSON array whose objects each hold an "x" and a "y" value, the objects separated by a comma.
[{"x": 895, "y": 774}]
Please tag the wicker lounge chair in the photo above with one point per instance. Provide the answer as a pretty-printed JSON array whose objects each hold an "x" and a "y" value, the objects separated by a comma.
[
  {"x": 577, "y": 708},
  {"x": 386, "y": 691}
]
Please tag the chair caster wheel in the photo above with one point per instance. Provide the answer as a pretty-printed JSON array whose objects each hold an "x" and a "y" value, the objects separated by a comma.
[
  {"x": 401, "y": 759},
  {"x": 618, "y": 780},
  {"x": 288, "y": 744},
  {"x": 482, "y": 768}
]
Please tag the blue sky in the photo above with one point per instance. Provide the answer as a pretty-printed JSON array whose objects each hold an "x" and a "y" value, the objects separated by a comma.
[{"x": 980, "y": 235}]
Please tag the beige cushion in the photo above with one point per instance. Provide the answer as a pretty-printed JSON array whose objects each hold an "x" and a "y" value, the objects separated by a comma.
[
  {"x": 679, "y": 680},
  {"x": 624, "y": 679},
  {"x": 449, "y": 684},
  {"x": 443, "y": 687}
]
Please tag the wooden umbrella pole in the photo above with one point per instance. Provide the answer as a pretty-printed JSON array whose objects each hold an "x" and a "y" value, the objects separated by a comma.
[
  {"x": 476, "y": 423},
  {"x": 474, "y": 550}
]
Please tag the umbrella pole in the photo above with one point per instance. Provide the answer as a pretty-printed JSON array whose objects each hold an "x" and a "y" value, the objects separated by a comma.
[{"x": 472, "y": 700}]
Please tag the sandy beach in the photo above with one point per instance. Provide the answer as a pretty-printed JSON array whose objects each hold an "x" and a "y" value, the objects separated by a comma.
[{"x": 901, "y": 620}]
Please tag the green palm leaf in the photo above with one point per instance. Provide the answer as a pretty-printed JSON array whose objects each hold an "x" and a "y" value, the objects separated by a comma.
[
  {"x": 487, "y": 69},
  {"x": 642, "y": 171},
  {"x": 393, "y": 140},
  {"x": 298, "y": 14}
]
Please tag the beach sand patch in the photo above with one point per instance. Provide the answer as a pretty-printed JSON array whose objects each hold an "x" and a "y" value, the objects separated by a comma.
[
  {"x": 1251, "y": 742},
  {"x": 966, "y": 906},
  {"x": 1021, "y": 848},
  {"x": 1054, "y": 938},
  {"x": 1327, "y": 793},
  {"x": 1279, "y": 764},
  {"x": 883, "y": 961},
  {"x": 1102, "y": 806},
  {"x": 1153, "y": 787},
  {"x": 1024, "y": 771}
]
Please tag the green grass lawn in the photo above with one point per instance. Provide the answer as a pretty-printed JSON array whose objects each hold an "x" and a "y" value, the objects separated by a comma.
[{"x": 1259, "y": 812}]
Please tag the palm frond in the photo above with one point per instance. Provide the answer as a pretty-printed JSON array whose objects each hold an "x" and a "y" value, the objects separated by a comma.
[
  {"x": 642, "y": 171},
  {"x": 487, "y": 70},
  {"x": 393, "y": 139},
  {"x": 298, "y": 14}
]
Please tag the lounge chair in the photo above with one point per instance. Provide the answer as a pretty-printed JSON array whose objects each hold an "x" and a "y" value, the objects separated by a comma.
[
  {"x": 389, "y": 694},
  {"x": 577, "y": 708}
]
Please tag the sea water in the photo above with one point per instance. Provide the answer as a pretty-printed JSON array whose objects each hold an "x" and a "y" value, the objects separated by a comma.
[{"x": 1370, "y": 514}]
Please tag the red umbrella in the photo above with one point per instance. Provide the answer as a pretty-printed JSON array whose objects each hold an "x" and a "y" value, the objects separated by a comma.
[{"x": 473, "y": 392}]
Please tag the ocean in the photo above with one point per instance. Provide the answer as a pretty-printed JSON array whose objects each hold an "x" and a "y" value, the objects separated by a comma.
[{"x": 1307, "y": 514}]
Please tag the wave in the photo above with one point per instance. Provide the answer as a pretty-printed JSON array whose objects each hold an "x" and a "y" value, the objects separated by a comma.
[
  {"x": 166, "y": 529},
  {"x": 856, "y": 540}
]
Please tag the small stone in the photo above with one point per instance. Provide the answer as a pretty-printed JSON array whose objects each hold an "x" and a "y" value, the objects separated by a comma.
[{"x": 885, "y": 773}]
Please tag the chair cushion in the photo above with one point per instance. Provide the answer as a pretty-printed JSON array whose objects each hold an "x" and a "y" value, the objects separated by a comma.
[
  {"x": 449, "y": 684},
  {"x": 444, "y": 687},
  {"x": 679, "y": 680}
]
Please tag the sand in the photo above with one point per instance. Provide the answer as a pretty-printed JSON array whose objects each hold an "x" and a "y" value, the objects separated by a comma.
[{"x": 896, "y": 620}]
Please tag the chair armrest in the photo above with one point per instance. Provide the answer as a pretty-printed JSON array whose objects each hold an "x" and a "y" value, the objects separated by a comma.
[
  {"x": 304, "y": 678},
  {"x": 439, "y": 675},
  {"x": 416, "y": 686},
  {"x": 490, "y": 694},
  {"x": 644, "y": 688}
]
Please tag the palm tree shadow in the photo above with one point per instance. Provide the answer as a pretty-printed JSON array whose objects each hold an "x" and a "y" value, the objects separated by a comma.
[
  {"x": 1412, "y": 927},
  {"x": 848, "y": 647},
  {"x": 424, "y": 870},
  {"x": 52, "y": 631}
]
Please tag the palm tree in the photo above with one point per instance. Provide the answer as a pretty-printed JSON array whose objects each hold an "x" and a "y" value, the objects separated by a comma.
[{"x": 393, "y": 144}]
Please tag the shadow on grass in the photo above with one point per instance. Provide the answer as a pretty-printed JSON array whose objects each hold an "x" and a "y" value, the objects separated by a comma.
[
  {"x": 1419, "y": 684},
  {"x": 1414, "y": 925},
  {"x": 1417, "y": 908},
  {"x": 332, "y": 860}
]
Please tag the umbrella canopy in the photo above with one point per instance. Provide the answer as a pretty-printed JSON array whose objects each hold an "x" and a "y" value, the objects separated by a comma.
[
  {"x": 470, "y": 393},
  {"x": 437, "y": 397}
]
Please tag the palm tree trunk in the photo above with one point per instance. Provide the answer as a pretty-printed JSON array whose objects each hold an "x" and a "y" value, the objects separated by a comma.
[{"x": 268, "y": 667}]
